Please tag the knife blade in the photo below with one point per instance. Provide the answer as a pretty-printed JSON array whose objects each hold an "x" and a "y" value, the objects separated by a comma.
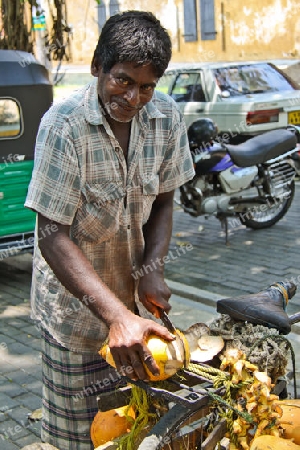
[{"x": 167, "y": 322}]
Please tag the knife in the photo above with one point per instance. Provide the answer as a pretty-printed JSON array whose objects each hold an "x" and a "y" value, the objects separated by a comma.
[{"x": 167, "y": 322}]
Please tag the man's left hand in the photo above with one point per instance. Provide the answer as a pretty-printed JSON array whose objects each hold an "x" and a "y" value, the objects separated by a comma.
[{"x": 154, "y": 293}]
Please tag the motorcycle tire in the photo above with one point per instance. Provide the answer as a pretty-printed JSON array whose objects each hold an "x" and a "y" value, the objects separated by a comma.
[{"x": 258, "y": 220}]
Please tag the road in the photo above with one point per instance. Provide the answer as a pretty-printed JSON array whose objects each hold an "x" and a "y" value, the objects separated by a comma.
[{"x": 198, "y": 277}]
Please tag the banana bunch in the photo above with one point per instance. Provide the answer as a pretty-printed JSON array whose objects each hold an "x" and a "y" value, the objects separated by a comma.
[{"x": 253, "y": 396}]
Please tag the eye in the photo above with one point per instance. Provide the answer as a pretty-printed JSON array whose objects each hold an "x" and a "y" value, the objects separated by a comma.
[
  {"x": 147, "y": 88},
  {"x": 122, "y": 81}
]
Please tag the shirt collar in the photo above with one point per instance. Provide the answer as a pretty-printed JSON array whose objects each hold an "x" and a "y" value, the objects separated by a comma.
[{"x": 93, "y": 111}]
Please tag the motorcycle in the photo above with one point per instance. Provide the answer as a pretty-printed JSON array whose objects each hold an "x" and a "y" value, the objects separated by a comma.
[
  {"x": 296, "y": 156},
  {"x": 253, "y": 182}
]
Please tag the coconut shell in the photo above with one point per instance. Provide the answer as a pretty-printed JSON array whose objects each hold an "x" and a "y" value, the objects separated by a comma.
[
  {"x": 111, "y": 424},
  {"x": 267, "y": 442},
  {"x": 290, "y": 419},
  {"x": 169, "y": 356},
  {"x": 203, "y": 346}
]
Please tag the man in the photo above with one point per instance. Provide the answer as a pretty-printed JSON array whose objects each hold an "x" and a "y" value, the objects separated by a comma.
[{"x": 106, "y": 165}]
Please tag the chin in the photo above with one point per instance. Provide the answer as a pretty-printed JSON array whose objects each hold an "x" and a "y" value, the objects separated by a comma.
[{"x": 119, "y": 118}]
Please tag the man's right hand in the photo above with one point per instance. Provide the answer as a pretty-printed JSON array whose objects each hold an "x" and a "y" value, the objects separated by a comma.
[{"x": 127, "y": 342}]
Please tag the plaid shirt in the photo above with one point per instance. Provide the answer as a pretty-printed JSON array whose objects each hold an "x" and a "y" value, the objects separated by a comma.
[{"x": 81, "y": 179}]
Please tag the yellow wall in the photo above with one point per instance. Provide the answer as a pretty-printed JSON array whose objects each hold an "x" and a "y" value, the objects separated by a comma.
[{"x": 256, "y": 29}]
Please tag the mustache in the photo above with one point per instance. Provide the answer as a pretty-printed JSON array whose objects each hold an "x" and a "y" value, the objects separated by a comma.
[{"x": 115, "y": 104}]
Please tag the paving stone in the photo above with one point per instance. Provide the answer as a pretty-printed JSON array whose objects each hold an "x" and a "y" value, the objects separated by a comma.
[
  {"x": 38, "y": 373},
  {"x": 9, "y": 363},
  {"x": 35, "y": 344},
  {"x": 21, "y": 377},
  {"x": 3, "y": 417},
  {"x": 12, "y": 300},
  {"x": 35, "y": 387},
  {"x": 32, "y": 330},
  {"x": 26, "y": 440},
  {"x": 6, "y": 339},
  {"x": 6, "y": 368},
  {"x": 12, "y": 431},
  {"x": 3, "y": 380},
  {"x": 8, "y": 330},
  {"x": 12, "y": 389},
  {"x": 5, "y": 296},
  {"x": 8, "y": 445},
  {"x": 29, "y": 400},
  {"x": 12, "y": 291},
  {"x": 17, "y": 323},
  {"x": 36, "y": 430},
  {"x": 21, "y": 349},
  {"x": 6, "y": 402},
  {"x": 19, "y": 415},
  {"x": 21, "y": 334}
]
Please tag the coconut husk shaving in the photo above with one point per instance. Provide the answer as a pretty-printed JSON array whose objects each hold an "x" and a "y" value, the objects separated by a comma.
[{"x": 262, "y": 346}]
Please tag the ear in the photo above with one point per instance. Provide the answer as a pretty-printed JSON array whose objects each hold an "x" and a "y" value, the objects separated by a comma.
[
  {"x": 95, "y": 68},
  {"x": 95, "y": 71}
]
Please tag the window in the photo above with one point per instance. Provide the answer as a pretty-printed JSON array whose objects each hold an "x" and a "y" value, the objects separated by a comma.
[
  {"x": 114, "y": 7},
  {"x": 101, "y": 15},
  {"x": 250, "y": 79},
  {"x": 207, "y": 17},
  {"x": 166, "y": 82},
  {"x": 188, "y": 88},
  {"x": 190, "y": 20},
  {"x": 10, "y": 118}
]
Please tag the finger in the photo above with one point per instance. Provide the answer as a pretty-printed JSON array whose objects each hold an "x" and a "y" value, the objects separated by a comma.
[
  {"x": 161, "y": 331},
  {"x": 165, "y": 305},
  {"x": 131, "y": 366},
  {"x": 118, "y": 361},
  {"x": 122, "y": 362},
  {"x": 151, "y": 308},
  {"x": 137, "y": 364},
  {"x": 149, "y": 361},
  {"x": 126, "y": 369},
  {"x": 158, "y": 304}
]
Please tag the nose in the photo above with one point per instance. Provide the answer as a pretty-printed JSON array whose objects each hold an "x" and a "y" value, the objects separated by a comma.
[{"x": 132, "y": 95}]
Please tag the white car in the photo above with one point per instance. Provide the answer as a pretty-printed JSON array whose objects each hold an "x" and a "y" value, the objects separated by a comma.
[{"x": 242, "y": 98}]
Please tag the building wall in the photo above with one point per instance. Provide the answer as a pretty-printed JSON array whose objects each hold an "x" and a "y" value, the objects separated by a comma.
[
  {"x": 256, "y": 29},
  {"x": 83, "y": 17}
]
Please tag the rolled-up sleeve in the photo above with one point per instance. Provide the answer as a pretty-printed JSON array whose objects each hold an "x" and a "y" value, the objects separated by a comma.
[{"x": 54, "y": 190}]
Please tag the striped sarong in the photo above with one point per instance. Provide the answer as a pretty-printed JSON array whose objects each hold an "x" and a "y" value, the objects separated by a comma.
[{"x": 71, "y": 384}]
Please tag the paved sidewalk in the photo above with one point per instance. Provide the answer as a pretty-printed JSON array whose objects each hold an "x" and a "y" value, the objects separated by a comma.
[
  {"x": 252, "y": 261},
  {"x": 208, "y": 271},
  {"x": 20, "y": 362}
]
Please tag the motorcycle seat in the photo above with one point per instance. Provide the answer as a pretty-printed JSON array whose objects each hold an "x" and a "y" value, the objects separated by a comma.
[{"x": 261, "y": 148}]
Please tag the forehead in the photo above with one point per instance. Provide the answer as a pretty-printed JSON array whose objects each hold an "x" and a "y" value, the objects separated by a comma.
[{"x": 134, "y": 71}]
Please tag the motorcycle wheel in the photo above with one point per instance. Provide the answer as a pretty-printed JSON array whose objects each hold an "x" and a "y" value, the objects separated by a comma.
[{"x": 265, "y": 219}]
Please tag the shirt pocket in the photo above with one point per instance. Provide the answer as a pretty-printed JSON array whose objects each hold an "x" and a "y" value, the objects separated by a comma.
[
  {"x": 150, "y": 189},
  {"x": 98, "y": 218}
]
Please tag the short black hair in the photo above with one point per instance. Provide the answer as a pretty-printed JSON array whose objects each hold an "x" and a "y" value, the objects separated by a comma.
[{"x": 133, "y": 36}]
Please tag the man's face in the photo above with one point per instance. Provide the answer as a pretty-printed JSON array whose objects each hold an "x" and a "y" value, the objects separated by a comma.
[{"x": 125, "y": 89}]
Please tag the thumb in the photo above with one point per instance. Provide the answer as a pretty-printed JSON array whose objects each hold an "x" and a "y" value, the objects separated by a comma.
[{"x": 162, "y": 332}]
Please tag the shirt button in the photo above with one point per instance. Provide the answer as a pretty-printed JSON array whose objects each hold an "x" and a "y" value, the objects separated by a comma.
[{"x": 128, "y": 227}]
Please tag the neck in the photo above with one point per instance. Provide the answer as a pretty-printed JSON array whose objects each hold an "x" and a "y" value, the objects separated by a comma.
[{"x": 118, "y": 127}]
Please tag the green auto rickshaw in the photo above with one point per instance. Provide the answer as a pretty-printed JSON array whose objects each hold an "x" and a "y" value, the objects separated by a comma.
[{"x": 25, "y": 95}]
